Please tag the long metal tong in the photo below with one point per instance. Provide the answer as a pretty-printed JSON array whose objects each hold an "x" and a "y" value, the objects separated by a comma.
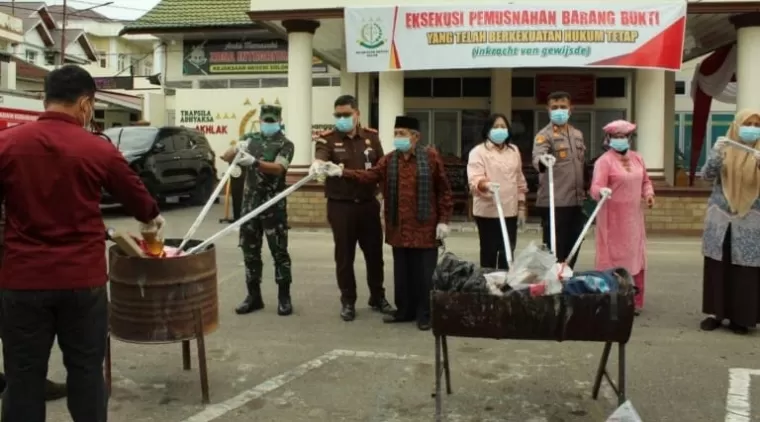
[
  {"x": 251, "y": 215},
  {"x": 586, "y": 228},
  {"x": 233, "y": 168},
  {"x": 504, "y": 233}
]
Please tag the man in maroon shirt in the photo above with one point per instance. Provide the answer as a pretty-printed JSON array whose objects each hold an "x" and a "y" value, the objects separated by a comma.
[
  {"x": 53, "y": 275},
  {"x": 418, "y": 206}
]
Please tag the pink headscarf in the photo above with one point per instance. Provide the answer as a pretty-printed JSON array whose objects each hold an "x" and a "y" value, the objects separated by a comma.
[{"x": 619, "y": 126}]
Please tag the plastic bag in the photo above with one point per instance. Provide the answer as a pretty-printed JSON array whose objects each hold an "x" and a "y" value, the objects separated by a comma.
[
  {"x": 625, "y": 413},
  {"x": 496, "y": 282},
  {"x": 530, "y": 266}
]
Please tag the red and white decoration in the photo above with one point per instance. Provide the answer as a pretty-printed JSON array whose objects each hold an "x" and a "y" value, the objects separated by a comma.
[
  {"x": 714, "y": 79},
  {"x": 12, "y": 116}
]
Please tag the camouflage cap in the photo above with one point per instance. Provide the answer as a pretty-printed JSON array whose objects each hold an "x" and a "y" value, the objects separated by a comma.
[{"x": 271, "y": 112}]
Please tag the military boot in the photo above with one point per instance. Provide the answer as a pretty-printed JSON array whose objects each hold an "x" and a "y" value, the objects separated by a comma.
[
  {"x": 252, "y": 302},
  {"x": 284, "y": 305}
]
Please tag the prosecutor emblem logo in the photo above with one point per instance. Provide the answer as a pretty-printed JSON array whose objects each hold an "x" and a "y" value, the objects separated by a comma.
[
  {"x": 372, "y": 40},
  {"x": 371, "y": 35}
]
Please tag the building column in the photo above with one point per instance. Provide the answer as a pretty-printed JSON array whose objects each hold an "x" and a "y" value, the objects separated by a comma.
[
  {"x": 113, "y": 54},
  {"x": 501, "y": 92},
  {"x": 391, "y": 104},
  {"x": 347, "y": 80},
  {"x": 669, "y": 140},
  {"x": 158, "y": 59},
  {"x": 364, "y": 96},
  {"x": 8, "y": 75},
  {"x": 747, "y": 60},
  {"x": 649, "y": 114},
  {"x": 298, "y": 115}
]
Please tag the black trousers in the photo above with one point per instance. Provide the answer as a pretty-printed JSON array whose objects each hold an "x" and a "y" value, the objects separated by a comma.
[
  {"x": 412, "y": 281},
  {"x": 492, "y": 253},
  {"x": 353, "y": 223},
  {"x": 237, "y": 188},
  {"x": 31, "y": 321},
  {"x": 570, "y": 221}
]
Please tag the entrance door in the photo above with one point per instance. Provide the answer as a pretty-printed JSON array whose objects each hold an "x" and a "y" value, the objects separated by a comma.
[{"x": 439, "y": 128}]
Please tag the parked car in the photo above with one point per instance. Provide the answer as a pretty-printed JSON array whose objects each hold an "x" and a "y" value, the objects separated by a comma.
[{"x": 171, "y": 161}]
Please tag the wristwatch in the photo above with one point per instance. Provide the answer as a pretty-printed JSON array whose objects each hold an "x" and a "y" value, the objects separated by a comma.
[{"x": 256, "y": 163}]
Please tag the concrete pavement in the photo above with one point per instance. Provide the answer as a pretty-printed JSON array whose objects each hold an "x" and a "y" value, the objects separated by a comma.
[{"x": 314, "y": 367}]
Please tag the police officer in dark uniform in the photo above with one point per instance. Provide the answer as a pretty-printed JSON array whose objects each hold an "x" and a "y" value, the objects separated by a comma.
[{"x": 353, "y": 209}]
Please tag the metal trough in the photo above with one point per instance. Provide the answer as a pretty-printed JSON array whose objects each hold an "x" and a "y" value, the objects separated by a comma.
[
  {"x": 155, "y": 300},
  {"x": 164, "y": 300}
]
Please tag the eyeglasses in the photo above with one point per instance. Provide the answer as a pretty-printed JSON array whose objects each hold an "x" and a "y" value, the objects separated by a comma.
[{"x": 341, "y": 115}]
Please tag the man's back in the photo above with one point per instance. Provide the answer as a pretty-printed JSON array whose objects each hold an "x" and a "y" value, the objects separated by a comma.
[{"x": 52, "y": 173}]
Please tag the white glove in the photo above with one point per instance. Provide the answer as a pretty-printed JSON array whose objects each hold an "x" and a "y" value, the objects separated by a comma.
[
  {"x": 547, "y": 159},
  {"x": 316, "y": 167},
  {"x": 605, "y": 192},
  {"x": 493, "y": 186},
  {"x": 441, "y": 231},
  {"x": 332, "y": 170},
  {"x": 242, "y": 146},
  {"x": 246, "y": 160},
  {"x": 757, "y": 157},
  {"x": 720, "y": 144},
  {"x": 154, "y": 226}
]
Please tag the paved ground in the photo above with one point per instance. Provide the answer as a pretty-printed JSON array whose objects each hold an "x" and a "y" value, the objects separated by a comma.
[{"x": 314, "y": 367}]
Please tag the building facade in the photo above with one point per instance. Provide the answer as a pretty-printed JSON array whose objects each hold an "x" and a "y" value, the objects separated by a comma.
[{"x": 451, "y": 104}]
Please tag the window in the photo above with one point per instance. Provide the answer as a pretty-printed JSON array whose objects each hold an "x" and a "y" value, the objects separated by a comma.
[
  {"x": 31, "y": 56},
  {"x": 135, "y": 69},
  {"x": 476, "y": 87},
  {"x": 610, "y": 87},
  {"x": 122, "y": 63},
  {"x": 418, "y": 87},
  {"x": 103, "y": 59},
  {"x": 680, "y": 88},
  {"x": 135, "y": 139},
  {"x": 447, "y": 87},
  {"x": 522, "y": 87}
]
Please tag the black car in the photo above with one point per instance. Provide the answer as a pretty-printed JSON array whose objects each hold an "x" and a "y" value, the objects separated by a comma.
[{"x": 171, "y": 161}]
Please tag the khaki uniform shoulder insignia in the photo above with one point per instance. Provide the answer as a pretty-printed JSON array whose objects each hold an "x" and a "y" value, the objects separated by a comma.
[{"x": 540, "y": 139}]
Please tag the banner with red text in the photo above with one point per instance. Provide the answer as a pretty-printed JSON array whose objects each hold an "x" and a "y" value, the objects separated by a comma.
[{"x": 639, "y": 35}]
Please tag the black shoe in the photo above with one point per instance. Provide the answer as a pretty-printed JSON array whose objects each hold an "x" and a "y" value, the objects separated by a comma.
[
  {"x": 381, "y": 305},
  {"x": 423, "y": 325},
  {"x": 348, "y": 312},
  {"x": 54, "y": 390},
  {"x": 252, "y": 302},
  {"x": 710, "y": 324},
  {"x": 284, "y": 305},
  {"x": 738, "y": 329},
  {"x": 394, "y": 318}
]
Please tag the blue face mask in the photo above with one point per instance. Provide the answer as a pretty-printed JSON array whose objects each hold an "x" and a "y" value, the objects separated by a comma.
[
  {"x": 498, "y": 135},
  {"x": 344, "y": 124},
  {"x": 749, "y": 134},
  {"x": 619, "y": 144},
  {"x": 269, "y": 129},
  {"x": 402, "y": 144},
  {"x": 559, "y": 116}
]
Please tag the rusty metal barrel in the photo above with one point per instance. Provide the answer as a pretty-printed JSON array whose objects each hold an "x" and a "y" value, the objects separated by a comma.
[{"x": 159, "y": 300}]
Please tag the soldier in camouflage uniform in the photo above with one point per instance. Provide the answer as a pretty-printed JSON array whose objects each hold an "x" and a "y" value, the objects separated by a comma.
[{"x": 267, "y": 156}]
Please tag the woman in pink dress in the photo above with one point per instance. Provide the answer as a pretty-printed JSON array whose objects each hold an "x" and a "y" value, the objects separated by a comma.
[{"x": 620, "y": 232}]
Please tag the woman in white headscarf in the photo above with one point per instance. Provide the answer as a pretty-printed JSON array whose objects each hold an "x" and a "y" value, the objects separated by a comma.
[{"x": 731, "y": 240}]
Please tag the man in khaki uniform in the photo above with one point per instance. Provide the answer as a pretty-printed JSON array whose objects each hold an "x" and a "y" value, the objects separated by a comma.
[
  {"x": 353, "y": 210},
  {"x": 561, "y": 145}
]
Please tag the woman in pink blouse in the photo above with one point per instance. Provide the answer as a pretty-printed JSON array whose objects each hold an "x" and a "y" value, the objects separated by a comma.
[
  {"x": 496, "y": 162},
  {"x": 621, "y": 239}
]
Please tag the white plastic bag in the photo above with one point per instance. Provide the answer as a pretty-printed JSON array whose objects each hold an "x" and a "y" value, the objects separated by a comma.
[
  {"x": 495, "y": 281},
  {"x": 625, "y": 413},
  {"x": 530, "y": 266}
]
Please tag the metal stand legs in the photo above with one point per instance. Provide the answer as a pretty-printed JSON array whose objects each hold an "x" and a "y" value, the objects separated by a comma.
[
  {"x": 618, "y": 388},
  {"x": 186, "y": 358},
  {"x": 441, "y": 369},
  {"x": 443, "y": 373}
]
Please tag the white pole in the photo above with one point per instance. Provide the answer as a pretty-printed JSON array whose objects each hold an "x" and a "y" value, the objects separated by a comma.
[{"x": 503, "y": 224}]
